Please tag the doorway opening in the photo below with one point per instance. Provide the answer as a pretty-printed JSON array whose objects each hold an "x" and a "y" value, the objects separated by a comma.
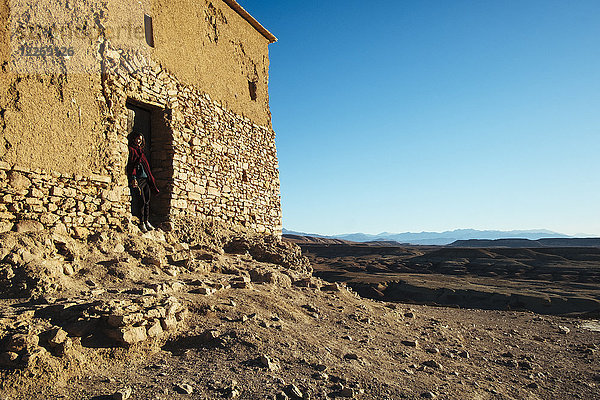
[{"x": 152, "y": 122}]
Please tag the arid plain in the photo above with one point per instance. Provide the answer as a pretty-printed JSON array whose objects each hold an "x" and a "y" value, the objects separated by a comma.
[{"x": 497, "y": 275}]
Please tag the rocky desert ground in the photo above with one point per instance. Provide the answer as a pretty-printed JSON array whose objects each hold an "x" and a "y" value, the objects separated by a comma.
[
  {"x": 546, "y": 280},
  {"x": 197, "y": 312}
]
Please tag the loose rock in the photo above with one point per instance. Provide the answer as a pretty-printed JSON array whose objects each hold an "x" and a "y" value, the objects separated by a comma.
[
  {"x": 184, "y": 388},
  {"x": 122, "y": 394},
  {"x": 294, "y": 392},
  {"x": 268, "y": 362},
  {"x": 433, "y": 364}
]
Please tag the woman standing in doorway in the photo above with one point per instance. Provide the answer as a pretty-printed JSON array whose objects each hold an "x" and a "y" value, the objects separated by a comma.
[{"x": 140, "y": 177}]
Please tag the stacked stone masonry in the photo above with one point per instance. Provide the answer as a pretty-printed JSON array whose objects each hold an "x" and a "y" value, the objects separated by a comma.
[
  {"x": 223, "y": 165},
  {"x": 208, "y": 160},
  {"x": 53, "y": 199}
]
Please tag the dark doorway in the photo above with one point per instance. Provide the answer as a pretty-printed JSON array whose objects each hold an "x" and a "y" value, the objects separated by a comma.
[
  {"x": 152, "y": 122},
  {"x": 142, "y": 122}
]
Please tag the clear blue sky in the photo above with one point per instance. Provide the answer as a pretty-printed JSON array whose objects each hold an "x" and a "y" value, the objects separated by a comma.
[{"x": 427, "y": 115}]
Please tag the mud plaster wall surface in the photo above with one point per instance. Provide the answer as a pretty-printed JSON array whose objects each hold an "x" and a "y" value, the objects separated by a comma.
[
  {"x": 4, "y": 79},
  {"x": 209, "y": 45},
  {"x": 4, "y": 34},
  {"x": 51, "y": 116},
  {"x": 205, "y": 44},
  {"x": 64, "y": 137},
  {"x": 58, "y": 122}
]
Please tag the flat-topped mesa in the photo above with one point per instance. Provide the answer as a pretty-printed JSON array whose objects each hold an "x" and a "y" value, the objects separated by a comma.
[{"x": 191, "y": 75}]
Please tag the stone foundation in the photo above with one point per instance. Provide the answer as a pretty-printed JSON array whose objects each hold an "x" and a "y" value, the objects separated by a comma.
[{"x": 56, "y": 200}]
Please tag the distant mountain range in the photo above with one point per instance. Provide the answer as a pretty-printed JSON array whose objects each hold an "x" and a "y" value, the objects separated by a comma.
[
  {"x": 527, "y": 243},
  {"x": 438, "y": 238}
]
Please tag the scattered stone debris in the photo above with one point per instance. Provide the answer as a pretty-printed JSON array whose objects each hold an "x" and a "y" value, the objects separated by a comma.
[
  {"x": 321, "y": 367},
  {"x": 433, "y": 364},
  {"x": 310, "y": 308},
  {"x": 347, "y": 392},
  {"x": 270, "y": 250},
  {"x": 269, "y": 363},
  {"x": 410, "y": 343},
  {"x": 234, "y": 314},
  {"x": 208, "y": 336},
  {"x": 282, "y": 396}
]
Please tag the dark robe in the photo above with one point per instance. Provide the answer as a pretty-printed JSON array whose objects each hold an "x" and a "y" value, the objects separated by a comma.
[{"x": 136, "y": 157}]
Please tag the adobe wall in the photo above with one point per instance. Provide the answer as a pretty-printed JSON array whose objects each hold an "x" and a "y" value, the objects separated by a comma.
[
  {"x": 204, "y": 43},
  {"x": 4, "y": 35},
  {"x": 51, "y": 116},
  {"x": 50, "y": 111},
  {"x": 208, "y": 45},
  {"x": 63, "y": 125}
]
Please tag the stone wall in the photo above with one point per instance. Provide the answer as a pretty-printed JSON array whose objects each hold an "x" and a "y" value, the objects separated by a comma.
[
  {"x": 64, "y": 138},
  {"x": 32, "y": 199},
  {"x": 219, "y": 164}
]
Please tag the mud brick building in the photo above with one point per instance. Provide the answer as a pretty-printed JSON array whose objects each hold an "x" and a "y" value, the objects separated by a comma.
[{"x": 78, "y": 75}]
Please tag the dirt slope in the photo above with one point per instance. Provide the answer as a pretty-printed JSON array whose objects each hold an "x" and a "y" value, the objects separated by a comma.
[{"x": 251, "y": 323}]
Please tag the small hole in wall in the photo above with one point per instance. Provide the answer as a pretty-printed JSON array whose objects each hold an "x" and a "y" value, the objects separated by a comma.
[
  {"x": 148, "y": 29},
  {"x": 244, "y": 176},
  {"x": 252, "y": 89}
]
